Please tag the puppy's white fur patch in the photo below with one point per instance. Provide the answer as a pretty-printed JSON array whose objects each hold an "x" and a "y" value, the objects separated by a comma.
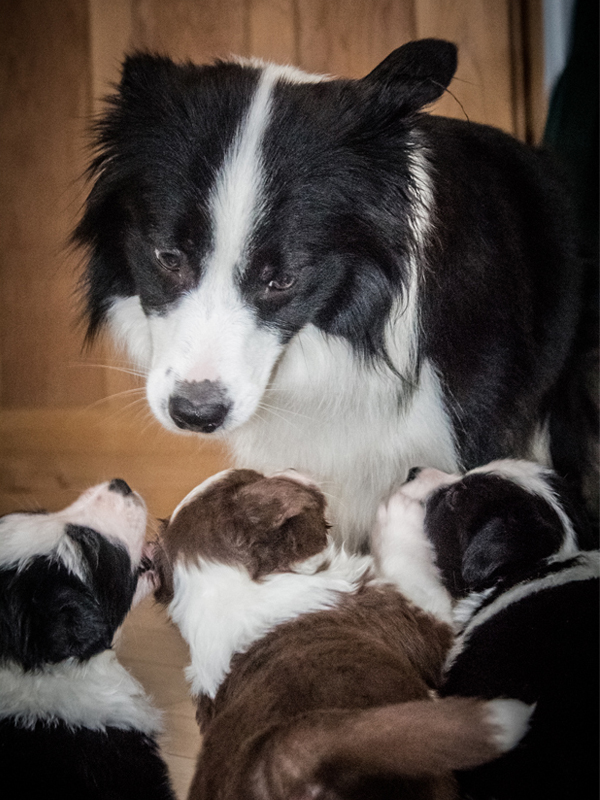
[
  {"x": 407, "y": 558},
  {"x": 96, "y": 694},
  {"x": 510, "y": 721},
  {"x": 206, "y": 593}
]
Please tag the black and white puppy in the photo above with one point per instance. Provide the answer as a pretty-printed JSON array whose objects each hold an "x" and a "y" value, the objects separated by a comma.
[
  {"x": 74, "y": 723},
  {"x": 330, "y": 278},
  {"x": 511, "y": 550}
]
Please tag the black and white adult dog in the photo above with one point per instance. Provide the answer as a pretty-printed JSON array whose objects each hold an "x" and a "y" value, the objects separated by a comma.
[
  {"x": 74, "y": 723},
  {"x": 328, "y": 277},
  {"x": 509, "y": 548}
]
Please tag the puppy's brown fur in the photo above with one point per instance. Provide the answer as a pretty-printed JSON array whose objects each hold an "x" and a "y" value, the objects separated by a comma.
[{"x": 335, "y": 703}]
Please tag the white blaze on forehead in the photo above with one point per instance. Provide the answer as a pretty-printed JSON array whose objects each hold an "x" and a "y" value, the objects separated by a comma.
[{"x": 236, "y": 202}]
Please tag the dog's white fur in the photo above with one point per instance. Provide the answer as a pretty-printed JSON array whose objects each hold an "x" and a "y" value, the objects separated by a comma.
[{"x": 96, "y": 694}]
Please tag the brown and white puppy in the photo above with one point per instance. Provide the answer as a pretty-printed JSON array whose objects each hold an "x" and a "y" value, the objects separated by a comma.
[
  {"x": 512, "y": 549},
  {"x": 314, "y": 678}
]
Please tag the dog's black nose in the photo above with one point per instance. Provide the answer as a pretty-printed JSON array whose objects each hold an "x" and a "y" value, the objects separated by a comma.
[
  {"x": 412, "y": 473},
  {"x": 199, "y": 406},
  {"x": 118, "y": 485}
]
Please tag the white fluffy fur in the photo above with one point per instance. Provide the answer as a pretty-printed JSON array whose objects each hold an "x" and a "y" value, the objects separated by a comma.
[
  {"x": 510, "y": 721},
  {"x": 342, "y": 423},
  {"x": 95, "y": 694},
  {"x": 206, "y": 593}
]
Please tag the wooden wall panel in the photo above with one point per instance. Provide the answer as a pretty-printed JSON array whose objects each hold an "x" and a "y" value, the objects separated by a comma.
[
  {"x": 483, "y": 83},
  {"x": 350, "y": 37},
  {"x": 44, "y": 106}
]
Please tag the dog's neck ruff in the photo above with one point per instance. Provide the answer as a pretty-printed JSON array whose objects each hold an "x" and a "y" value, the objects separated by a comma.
[
  {"x": 96, "y": 694},
  {"x": 220, "y": 610}
]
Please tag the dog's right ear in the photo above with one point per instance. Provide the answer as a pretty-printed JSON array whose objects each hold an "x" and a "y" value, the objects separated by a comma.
[{"x": 416, "y": 74}]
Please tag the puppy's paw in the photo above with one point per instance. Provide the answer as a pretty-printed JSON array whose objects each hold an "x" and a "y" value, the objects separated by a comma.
[{"x": 399, "y": 522}]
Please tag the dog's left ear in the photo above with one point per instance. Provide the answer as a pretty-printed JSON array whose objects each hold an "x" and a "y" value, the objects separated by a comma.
[
  {"x": 269, "y": 502},
  {"x": 415, "y": 74}
]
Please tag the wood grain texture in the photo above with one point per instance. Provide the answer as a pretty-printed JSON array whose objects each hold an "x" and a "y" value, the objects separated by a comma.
[
  {"x": 44, "y": 106},
  {"x": 49, "y": 456},
  {"x": 350, "y": 37}
]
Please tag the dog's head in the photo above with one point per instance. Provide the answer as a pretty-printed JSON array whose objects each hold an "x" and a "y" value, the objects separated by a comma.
[
  {"x": 238, "y": 203},
  {"x": 497, "y": 521},
  {"x": 242, "y": 519},
  {"x": 67, "y": 579}
]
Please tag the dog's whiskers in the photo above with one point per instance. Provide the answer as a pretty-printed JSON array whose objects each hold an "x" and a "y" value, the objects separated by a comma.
[{"x": 126, "y": 369}]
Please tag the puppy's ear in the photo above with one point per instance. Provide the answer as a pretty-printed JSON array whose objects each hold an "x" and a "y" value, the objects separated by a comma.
[
  {"x": 49, "y": 615},
  {"x": 488, "y": 553},
  {"x": 288, "y": 523},
  {"x": 269, "y": 502},
  {"x": 416, "y": 73}
]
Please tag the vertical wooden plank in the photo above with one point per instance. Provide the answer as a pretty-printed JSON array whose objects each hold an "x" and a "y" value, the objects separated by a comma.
[
  {"x": 272, "y": 30},
  {"x": 483, "y": 82},
  {"x": 350, "y": 37},
  {"x": 44, "y": 103},
  {"x": 199, "y": 31}
]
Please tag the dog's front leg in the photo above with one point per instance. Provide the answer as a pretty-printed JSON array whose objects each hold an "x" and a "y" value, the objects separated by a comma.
[{"x": 405, "y": 557}]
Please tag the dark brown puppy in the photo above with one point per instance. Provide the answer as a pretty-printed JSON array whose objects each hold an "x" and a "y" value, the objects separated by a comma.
[{"x": 314, "y": 678}]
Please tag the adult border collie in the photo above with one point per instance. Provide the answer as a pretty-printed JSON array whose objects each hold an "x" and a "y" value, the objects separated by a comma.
[
  {"x": 74, "y": 724},
  {"x": 328, "y": 277}
]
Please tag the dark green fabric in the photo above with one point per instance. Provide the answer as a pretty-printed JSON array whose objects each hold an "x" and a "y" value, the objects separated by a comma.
[{"x": 572, "y": 125}]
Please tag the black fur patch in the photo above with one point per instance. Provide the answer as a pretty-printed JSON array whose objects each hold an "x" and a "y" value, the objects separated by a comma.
[{"x": 49, "y": 614}]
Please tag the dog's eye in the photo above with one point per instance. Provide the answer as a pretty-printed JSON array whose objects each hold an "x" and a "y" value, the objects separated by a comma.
[
  {"x": 171, "y": 260},
  {"x": 281, "y": 284}
]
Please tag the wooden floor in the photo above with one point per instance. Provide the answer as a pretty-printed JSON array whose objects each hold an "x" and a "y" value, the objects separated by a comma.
[{"x": 154, "y": 652}]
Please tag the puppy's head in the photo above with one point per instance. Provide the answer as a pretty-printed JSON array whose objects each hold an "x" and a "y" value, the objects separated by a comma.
[
  {"x": 244, "y": 519},
  {"x": 67, "y": 579},
  {"x": 497, "y": 521}
]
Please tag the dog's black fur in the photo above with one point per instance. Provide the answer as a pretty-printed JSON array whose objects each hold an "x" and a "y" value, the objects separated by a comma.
[{"x": 367, "y": 206}]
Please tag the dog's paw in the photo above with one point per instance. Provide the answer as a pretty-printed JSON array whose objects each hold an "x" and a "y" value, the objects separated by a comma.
[{"x": 399, "y": 521}]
